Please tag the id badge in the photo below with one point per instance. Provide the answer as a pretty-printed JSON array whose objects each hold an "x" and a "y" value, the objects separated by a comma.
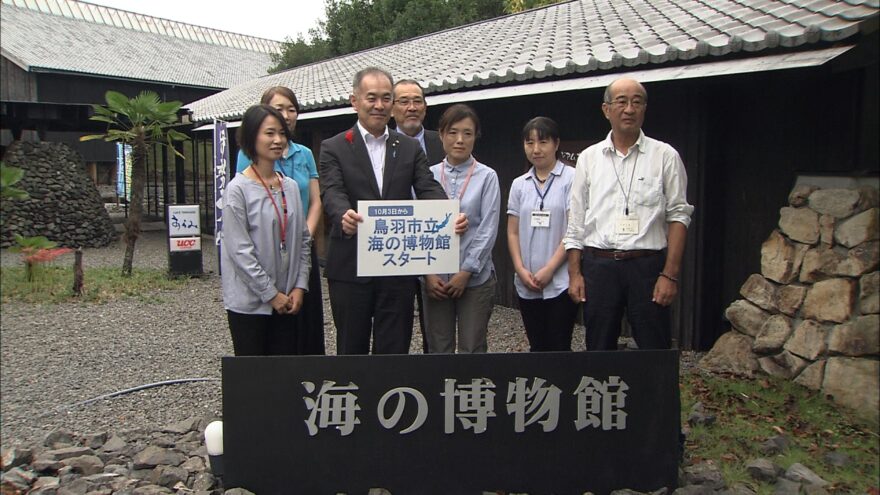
[
  {"x": 627, "y": 226},
  {"x": 285, "y": 257},
  {"x": 541, "y": 219}
]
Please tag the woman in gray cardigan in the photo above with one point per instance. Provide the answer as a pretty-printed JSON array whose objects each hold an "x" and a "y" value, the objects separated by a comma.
[{"x": 264, "y": 244}]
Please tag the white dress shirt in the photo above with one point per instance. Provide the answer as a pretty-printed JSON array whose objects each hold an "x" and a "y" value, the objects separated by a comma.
[
  {"x": 649, "y": 183},
  {"x": 376, "y": 150}
]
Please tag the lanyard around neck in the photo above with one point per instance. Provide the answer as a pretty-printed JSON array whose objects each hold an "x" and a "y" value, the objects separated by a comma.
[
  {"x": 546, "y": 189},
  {"x": 626, "y": 193},
  {"x": 467, "y": 180},
  {"x": 282, "y": 221}
]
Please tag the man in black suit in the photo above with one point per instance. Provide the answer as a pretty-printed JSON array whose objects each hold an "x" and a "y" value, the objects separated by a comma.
[{"x": 370, "y": 162}]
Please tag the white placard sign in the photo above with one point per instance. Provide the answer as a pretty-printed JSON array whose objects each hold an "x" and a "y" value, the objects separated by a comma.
[
  {"x": 407, "y": 237},
  {"x": 183, "y": 221}
]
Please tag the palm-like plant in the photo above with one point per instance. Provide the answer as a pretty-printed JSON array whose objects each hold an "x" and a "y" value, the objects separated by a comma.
[{"x": 141, "y": 121}]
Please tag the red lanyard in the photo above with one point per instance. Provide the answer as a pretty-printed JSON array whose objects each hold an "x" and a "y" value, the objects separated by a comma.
[
  {"x": 281, "y": 221},
  {"x": 466, "y": 181}
]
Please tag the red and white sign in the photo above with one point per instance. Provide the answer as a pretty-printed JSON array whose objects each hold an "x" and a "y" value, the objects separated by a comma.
[{"x": 185, "y": 244}]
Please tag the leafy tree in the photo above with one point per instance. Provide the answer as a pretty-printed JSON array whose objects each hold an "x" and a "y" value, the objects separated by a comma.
[
  {"x": 355, "y": 25},
  {"x": 514, "y": 6},
  {"x": 301, "y": 52},
  {"x": 141, "y": 121}
]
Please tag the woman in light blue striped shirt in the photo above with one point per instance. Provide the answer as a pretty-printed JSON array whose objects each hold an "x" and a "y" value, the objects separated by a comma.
[
  {"x": 537, "y": 213},
  {"x": 464, "y": 300}
]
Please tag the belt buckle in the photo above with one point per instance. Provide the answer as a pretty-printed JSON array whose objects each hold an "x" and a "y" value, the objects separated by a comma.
[{"x": 618, "y": 255}]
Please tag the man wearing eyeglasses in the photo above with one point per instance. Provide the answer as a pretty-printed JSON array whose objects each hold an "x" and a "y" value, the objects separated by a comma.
[
  {"x": 628, "y": 219},
  {"x": 409, "y": 111}
]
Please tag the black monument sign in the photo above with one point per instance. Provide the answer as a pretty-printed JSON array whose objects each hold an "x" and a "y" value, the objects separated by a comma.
[{"x": 537, "y": 423}]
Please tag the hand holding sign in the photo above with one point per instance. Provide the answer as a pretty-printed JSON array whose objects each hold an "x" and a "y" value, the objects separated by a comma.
[{"x": 350, "y": 221}]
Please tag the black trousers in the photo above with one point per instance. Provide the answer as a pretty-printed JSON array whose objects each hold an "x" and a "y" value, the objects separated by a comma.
[
  {"x": 310, "y": 338},
  {"x": 381, "y": 308},
  {"x": 263, "y": 335},
  {"x": 549, "y": 322},
  {"x": 615, "y": 286}
]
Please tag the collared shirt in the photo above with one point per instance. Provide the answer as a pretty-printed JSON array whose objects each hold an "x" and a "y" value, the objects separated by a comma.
[
  {"x": 252, "y": 266},
  {"x": 376, "y": 150},
  {"x": 601, "y": 194},
  {"x": 538, "y": 244},
  {"x": 420, "y": 137},
  {"x": 482, "y": 205},
  {"x": 298, "y": 163}
]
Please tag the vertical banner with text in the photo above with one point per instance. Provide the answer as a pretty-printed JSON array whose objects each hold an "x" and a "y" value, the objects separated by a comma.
[
  {"x": 123, "y": 171},
  {"x": 221, "y": 174}
]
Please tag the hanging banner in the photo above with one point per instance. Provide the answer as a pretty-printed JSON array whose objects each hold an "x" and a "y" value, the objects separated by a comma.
[
  {"x": 123, "y": 171},
  {"x": 221, "y": 175}
]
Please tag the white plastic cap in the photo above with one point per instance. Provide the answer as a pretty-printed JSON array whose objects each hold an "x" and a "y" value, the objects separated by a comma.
[{"x": 214, "y": 438}]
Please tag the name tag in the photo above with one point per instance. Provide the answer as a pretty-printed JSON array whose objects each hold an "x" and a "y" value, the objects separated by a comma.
[
  {"x": 627, "y": 226},
  {"x": 541, "y": 219}
]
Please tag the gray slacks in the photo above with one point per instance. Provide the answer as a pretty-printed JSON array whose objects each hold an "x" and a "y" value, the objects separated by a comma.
[{"x": 471, "y": 312}]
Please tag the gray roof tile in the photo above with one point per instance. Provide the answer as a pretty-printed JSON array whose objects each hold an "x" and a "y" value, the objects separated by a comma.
[
  {"x": 580, "y": 36},
  {"x": 43, "y": 41}
]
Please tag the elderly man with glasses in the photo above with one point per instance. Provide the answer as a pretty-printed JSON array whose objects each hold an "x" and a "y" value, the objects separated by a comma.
[
  {"x": 409, "y": 110},
  {"x": 628, "y": 219}
]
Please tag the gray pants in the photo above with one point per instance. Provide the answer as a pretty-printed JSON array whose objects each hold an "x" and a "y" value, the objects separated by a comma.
[{"x": 471, "y": 311}]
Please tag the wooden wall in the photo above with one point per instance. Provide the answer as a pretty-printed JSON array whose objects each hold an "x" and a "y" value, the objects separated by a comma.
[{"x": 16, "y": 84}]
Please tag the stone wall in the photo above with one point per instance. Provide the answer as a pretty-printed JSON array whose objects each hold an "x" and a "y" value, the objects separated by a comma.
[
  {"x": 811, "y": 315},
  {"x": 64, "y": 204}
]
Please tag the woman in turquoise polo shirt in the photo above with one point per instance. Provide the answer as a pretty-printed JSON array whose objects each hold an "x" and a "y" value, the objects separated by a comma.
[{"x": 298, "y": 163}]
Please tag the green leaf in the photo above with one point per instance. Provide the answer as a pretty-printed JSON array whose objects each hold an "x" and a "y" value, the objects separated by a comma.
[
  {"x": 116, "y": 101},
  {"x": 170, "y": 107},
  {"x": 101, "y": 110},
  {"x": 10, "y": 175},
  {"x": 101, "y": 118},
  {"x": 37, "y": 242},
  {"x": 176, "y": 135},
  {"x": 91, "y": 137}
]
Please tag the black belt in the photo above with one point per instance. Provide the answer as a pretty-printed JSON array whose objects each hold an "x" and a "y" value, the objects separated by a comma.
[{"x": 617, "y": 254}]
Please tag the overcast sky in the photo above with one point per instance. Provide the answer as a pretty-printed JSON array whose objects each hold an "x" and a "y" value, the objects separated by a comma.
[{"x": 271, "y": 19}]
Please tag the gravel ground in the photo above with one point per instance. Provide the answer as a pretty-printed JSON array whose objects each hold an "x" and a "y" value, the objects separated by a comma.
[{"x": 54, "y": 357}]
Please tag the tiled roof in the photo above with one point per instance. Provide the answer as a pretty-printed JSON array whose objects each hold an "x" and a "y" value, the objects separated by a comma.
[
  {"x": 581, "y": 36},
  {"x": 40, "y": 41},
  {"x": 75, "y": 9}
]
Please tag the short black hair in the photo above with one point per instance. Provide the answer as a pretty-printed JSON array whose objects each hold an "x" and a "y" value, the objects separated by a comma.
[
  {"x": 457, "y": 113},
  {"x": 250, "y": 125},
  {"x": 545, "y": 127},
  {"x": 361, "y": 74}
]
